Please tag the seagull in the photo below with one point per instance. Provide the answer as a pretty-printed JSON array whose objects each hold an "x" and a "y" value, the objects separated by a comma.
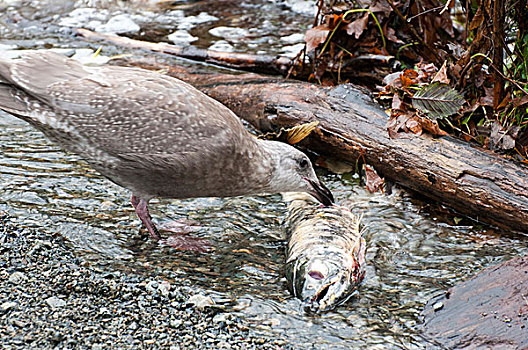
[{"x": 153, "y": 134}]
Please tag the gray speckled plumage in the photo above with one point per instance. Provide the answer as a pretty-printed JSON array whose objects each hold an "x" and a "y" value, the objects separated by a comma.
[{"x": 152, "y": 134}]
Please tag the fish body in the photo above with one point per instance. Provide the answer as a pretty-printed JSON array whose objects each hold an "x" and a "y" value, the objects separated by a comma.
[{"x": 326, "y": 252}]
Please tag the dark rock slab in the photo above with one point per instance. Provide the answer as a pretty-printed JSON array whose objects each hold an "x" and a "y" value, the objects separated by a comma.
[{"x": 489, "y": 311}]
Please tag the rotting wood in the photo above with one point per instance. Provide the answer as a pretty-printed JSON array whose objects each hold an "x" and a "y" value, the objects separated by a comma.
[{"x": 473, "y": 181}]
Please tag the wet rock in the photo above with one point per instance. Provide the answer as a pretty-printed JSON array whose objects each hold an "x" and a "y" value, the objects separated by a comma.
[
  {"x": 55, "y": 302},
  {"x": 181, "y": 37},
  {"x": 17, "y": 277},
  {"x": 85, "y": 18},
  {"x": 222, "y": 46},
  {"x": 293, "y": 38},
  {"x": 488, "y": 311},
  {"x": 119, "y": 24},
  {"x": 307, "y": 7},
  {"x": 438, "y": 306},
  {"x": 200, "y": 301},
  {"x": 223, "y": 345},
  {"x": 152, "y": 287},
  {"x": 164, "y": 288},
  {"x": 229, "y": 32},
  {"x": 189, "y": 22},
  {"x": 221, "y": 318},
  {"x": 292, "y": 50},
  {"x": 8, "y": 305},
  {"x": 175, "y": 323}
]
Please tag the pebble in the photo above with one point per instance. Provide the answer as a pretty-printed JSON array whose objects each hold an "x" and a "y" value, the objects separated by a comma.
[
  {"x": 222, "y": 46},
  {"x": 293, "y": 39},
  {"x": 8, "y": 305},
  {"x": 17, "y": 277},
  {"x": 119, "y": 24},
  {"x": 164, "y": 288},
  {"x": 189, "y": 22},
  {"x": 55, "y": 302},
  {"x": 200, "y": 301},
  {"x": 438, "y": 306},
  {"x": 152, "y": 287},
  {"x": 175, "y": 323},
  {"x": 221, "y": 317},
  {"x": 229, "y": 32},
  {"x": 181, "y": 37}
]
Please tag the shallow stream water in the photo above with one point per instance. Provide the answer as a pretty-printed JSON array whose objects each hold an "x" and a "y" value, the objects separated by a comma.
[{"x": 411, "y": 254}]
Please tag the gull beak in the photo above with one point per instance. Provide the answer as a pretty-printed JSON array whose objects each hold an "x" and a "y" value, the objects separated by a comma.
[{"x": 320, "y": 192}]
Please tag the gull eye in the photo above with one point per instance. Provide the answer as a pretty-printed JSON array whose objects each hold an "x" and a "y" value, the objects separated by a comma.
[{"x": 303, "y": 163}]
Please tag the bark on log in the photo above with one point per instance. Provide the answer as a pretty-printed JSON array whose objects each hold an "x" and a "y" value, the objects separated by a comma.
[{"x": 473, "y": 181}]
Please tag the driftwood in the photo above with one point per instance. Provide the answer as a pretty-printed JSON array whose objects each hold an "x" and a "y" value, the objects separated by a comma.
[
  {"x": 264, "y": 64},
  {"x": 473, "y": 181},
  {"x": 358, "y": 67}
]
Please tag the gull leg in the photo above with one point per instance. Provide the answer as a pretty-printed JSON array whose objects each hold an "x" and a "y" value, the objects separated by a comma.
[{"x": 142, "y": 212}]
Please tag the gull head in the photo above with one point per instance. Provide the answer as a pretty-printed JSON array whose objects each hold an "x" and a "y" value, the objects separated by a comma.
[{"x": 292, "y": 171}]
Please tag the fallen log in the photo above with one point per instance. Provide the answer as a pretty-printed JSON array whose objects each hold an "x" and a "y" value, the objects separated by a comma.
[{"x": 476, "y": 182}]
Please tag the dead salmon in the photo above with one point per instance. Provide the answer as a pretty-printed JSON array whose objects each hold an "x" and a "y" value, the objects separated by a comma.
[{"x": 326, "y": 252}]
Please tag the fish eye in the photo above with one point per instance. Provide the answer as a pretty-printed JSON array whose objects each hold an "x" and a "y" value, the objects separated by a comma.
[{"x": 303, "y": 163}]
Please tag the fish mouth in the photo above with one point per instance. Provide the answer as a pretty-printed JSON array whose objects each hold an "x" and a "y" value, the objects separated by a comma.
[
  {"x": 332, "y": 294},
  {"x": 328, "y": 296},
  {"x": 320, "y": 192},
  {"x": 330, "y": 291}
]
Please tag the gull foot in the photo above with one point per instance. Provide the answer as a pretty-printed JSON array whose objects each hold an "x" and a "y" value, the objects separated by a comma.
[{"x": 181, "y": 242}]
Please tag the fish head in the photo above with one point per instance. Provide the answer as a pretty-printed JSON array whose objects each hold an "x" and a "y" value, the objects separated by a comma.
[{"x": 323, "y": 284}]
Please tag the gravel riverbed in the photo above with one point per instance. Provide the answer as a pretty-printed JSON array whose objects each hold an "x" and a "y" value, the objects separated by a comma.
[{"x": 51, "y": 297}]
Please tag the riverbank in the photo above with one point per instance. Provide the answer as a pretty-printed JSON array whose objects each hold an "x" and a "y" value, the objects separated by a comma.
[{"x": 52, "y": 298}]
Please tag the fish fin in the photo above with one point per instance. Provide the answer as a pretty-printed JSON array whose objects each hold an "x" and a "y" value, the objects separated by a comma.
[{"x": 361, "y": 251}]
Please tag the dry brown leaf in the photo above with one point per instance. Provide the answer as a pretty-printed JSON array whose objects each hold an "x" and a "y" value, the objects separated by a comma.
[
  {"x": 408, "y": 77},
  {"x": 315, "y": 36},
  {"x": 395, "y": 124},
  {"x": 406, "y": 81},
  {"x": 396, "y": 103},
  {"x": 373, "y": 182},
  {"x": 358, "y": 26},
  {"x": 506, "y": 101},
  {"x": 414, "y": 125},
  {"x": 441, "y": 75},
  {"x": 519, "y": 101},
  {"x": 390, "y": 34},
  {"x": 487, "y": 99},
  {"x": 431, "y": 126},
  {"x": 380, "y": 6}
]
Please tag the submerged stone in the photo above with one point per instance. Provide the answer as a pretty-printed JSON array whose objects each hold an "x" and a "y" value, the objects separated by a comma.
[{"x": 490, "y": 310}]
